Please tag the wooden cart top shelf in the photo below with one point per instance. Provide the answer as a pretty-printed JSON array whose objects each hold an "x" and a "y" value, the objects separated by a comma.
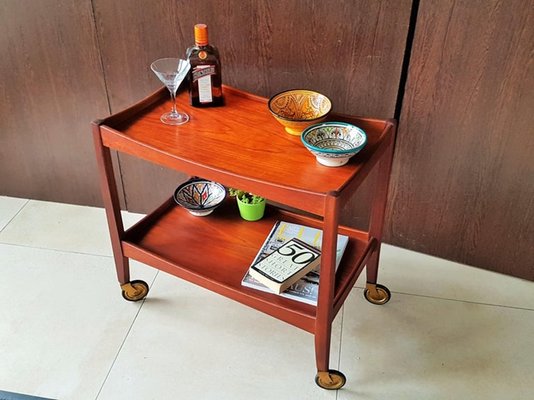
[{"x": 241, "y": 145}]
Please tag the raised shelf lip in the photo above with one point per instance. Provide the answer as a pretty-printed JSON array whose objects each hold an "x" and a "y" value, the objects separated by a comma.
[
  {"x": 118, "y": 141},
  {"x": 310, "y": 199},
  {"x": 132, "y": 110}
]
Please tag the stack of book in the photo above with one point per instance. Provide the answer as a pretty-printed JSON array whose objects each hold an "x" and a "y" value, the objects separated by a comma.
[{"x": 288, "y": 263}]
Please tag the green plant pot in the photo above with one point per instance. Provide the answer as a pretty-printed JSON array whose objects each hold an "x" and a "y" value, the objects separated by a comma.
[{"x": 251, "y": 212}]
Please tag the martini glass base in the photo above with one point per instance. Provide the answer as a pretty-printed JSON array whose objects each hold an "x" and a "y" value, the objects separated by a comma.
[{"x": 174, "y": 118}]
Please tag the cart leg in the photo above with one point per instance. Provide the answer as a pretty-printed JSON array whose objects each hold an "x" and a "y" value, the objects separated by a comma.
[
  {"x": 322, "y": 348},
  {"x": 327, "y": 378},
  {"x": 372, "y": 264},
  {"x": 374, "y": 292},
  {"x": 376, "y": 226},
  {"x": 134, "y": 290}
]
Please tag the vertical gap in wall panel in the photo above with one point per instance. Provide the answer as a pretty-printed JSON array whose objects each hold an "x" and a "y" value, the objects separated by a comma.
[
  {"x": 103, "y": 71},
  {"x": 100, "y": 55},
  {"x": 406, "y": 59}
]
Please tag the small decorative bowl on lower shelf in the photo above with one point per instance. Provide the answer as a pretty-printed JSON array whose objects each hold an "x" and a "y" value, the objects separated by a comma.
[
  {"x": 333, "y": 143},
  {"x": 199, "y": 196}
]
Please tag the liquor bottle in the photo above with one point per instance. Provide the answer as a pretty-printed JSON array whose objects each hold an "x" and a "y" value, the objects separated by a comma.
[{"x": 205, "y": 81}]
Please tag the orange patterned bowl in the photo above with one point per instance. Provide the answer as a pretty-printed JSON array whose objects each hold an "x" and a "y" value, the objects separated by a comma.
[{"x": 299, "y": 108}]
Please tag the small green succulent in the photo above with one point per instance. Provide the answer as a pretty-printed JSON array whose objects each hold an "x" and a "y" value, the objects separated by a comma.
[{"x": 245, "y": 197}]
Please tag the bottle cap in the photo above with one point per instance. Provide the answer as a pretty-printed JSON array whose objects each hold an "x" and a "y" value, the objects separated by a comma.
[{"x": 201, "y": 34}]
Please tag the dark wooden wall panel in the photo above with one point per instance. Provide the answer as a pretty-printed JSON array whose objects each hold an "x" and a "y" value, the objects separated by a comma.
[
  {"x": 51, "y": 88},
  {"x": 349, "y": 50},
  {"x": 463, "y": 183}
]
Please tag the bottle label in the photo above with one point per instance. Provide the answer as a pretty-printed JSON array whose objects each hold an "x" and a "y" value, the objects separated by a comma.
[
  {"x": 201, "y": 71},
  {"x": 202, "y": 75}
]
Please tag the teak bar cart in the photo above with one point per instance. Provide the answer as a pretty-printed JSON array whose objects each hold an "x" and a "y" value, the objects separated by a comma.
[{"x": 241, "y": 145}]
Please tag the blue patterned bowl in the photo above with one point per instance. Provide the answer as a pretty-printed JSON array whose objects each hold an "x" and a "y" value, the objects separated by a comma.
[
  {"x": 199, "y": 196},
  {"x": 333, "y": 143}
]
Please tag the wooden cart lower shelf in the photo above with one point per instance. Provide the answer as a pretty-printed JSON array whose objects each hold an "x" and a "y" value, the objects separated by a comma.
[{"x": 168, "y": 239}]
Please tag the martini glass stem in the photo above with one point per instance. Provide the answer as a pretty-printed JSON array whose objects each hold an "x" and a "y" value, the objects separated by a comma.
[{"x": 173, "y": 97}]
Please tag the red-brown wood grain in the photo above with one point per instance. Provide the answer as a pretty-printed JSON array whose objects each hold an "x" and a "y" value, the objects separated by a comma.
[
  {"x": 216, "y": 251},
  {"x": 242, "y": 138}
]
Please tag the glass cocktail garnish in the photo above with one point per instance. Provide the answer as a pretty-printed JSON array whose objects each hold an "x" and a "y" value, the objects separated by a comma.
[{"x": 172, "y": 71}]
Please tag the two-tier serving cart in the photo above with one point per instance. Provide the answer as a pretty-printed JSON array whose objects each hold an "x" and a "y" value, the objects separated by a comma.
[{"x": 241, "y": 145}]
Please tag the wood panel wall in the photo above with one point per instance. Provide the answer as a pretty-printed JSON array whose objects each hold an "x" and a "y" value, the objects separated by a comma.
[
  {"x": 463, "y": 183},
  {"x": 51, "y": 87},
  {"x": 462, "y": 186}
]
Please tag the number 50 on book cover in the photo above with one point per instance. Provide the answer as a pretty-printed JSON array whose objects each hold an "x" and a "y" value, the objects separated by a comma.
[{"x": 286, "y": 265}]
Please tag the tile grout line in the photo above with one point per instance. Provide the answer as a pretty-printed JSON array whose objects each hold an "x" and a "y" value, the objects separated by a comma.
[
  {"x": 340, "y": 337},
  {"x": 340, "y": 345},
  {"x": 463, "y": 301},
  {"x": 119, "y": 350},
  {"x": 56, "y": 250},
  {"x": 124, "y": 341},
  {"x": 14, "y": 216}
]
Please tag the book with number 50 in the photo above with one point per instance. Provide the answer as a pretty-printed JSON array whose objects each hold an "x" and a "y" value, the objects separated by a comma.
[{"x": 286, "y": 265}]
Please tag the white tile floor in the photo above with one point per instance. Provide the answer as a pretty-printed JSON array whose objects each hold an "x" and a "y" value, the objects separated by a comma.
[{"x": 449, "y": 332}]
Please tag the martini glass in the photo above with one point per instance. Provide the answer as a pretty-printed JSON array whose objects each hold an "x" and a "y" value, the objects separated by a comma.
[{"x": 172, "y": 71}]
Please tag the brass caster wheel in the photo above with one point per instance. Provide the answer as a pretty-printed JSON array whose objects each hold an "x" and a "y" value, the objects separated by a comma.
[
  {"x": 376, "y": 294},
  {"x": 134, "y": 290},
  {"x": 330, "y": 380}
]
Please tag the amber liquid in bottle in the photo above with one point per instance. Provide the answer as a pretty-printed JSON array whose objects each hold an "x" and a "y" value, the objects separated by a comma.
[{"x": 205, "y": 83}]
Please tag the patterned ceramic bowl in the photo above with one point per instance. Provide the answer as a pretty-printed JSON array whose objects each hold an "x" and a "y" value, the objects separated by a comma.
[
  {"x": 297, "y": 109},
  {"x": 199, "y": 196},
  {"x": 333, "y": 143}
]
